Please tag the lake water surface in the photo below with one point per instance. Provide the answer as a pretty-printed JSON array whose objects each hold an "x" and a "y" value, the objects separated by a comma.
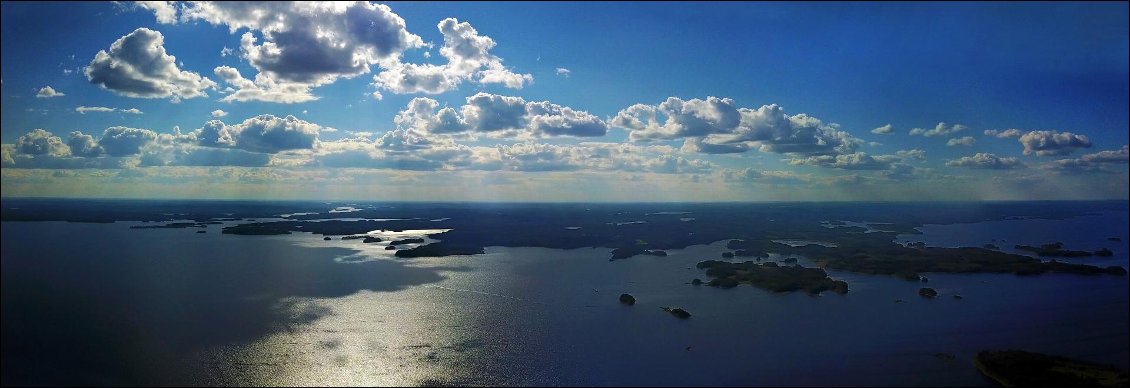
[{"x": 104, "y": 304}]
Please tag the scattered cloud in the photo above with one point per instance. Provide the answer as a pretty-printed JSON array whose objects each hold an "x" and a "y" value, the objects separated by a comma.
[
  {"x": 41, "y": 142},
  {"x": 753, "y": 175},
  {"x": 310, "y": 43},
  {"x": 48, "y": 92},
  {"x": 1102, "y": 161},
  {"x": 468, "y": 59},
  {"x": 138, "y": 66},
  {"x": 939, "y": 130},
  {"x": 166, "y": 11},
  {"x": 561, "y": 71},
  {"x": 102, "y": 109},
  {"x": 884, "y": 130},
  {"x": 853, "y": 161},
  {"x": 300, "y": 45},
  {"x": 125, "y": 141},
  {"x": 499, "y": 116},
  {"x": 915, "y": 154},
  {"x": 83, "y": 145},
  {"x": 984, "y": 160},
  {"x": 718, "y": 122},
  {"x": 1013, "y": 132},
  {"x": 263, "y": 133},
  {"x": 1112, "y": 156},
  {"x": 263, "y": 88},
  {"x": 967, "y": 141},
  {"x": 1047, "y": 143}
]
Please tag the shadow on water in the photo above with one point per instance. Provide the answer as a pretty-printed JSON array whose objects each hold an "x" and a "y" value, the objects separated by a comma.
[{"x": 75, "y": 314}]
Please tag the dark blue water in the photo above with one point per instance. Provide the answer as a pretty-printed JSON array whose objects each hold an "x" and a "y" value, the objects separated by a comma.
[{"x": 104, "y": 304}]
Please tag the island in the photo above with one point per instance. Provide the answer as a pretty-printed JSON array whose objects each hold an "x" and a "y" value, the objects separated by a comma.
[
  {"x": 627, "y": 299},
  {"x": 771, "y": 276},
  {"x": 1017, "y": 368},
  {"x": 677, "y": 312},
  {"x": 1053, "y": 250},
  {"x": 407, "y": 241},
  {"x": 927, "y": 292},
  {"x": 177, "y": 225},
  {"x": 371, "y": 239},
  {"x": 633, "y": 250},
  {"x": 848, "y": 248}
]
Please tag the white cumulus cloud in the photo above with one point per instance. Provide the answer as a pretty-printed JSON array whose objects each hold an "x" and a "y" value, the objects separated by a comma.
[
  {"x": 468, "y": 59},
  {"x": 138, "y": 66},
  {"x": 48, "y": 92},
  {"x": 939, "y": 130}
]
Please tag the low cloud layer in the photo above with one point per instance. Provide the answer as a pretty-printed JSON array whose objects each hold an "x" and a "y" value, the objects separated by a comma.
[
  {"x": 500, "y": 116},
  {"x": 989, "y": 161},
  {"x": 717, "y": 125}
]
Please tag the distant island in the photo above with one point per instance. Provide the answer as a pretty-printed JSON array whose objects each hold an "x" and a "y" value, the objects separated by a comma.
[
  {"x": 1016, "y": 368},
  {"x": 177, "y": 225},
  {"x": 771, "y": 276},
  {"x": 843, "y": 246},
  {"x": 1053, "y": 250}
]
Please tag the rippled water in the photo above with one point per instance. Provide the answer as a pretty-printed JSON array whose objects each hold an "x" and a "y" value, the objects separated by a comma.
[{"x": 173, "y": 306}]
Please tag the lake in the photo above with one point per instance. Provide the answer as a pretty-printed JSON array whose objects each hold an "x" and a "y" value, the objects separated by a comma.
[{"x": 100, "y": 303}]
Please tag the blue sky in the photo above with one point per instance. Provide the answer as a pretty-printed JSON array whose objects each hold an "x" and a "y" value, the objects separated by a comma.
[{"x": 566, "y": 101}]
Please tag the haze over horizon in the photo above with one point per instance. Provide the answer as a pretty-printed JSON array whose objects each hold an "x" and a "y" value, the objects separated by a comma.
[{"x": 554, "y": 102}]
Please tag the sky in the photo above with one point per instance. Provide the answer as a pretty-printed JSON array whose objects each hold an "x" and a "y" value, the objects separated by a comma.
[{"x": 560, "y": 101}]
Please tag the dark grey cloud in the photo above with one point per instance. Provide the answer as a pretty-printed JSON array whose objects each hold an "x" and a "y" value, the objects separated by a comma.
[
  {"x": 490, "y": 112},
  {"x": 296, "y": 46},
  {"x": 694, "y": 144}
]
